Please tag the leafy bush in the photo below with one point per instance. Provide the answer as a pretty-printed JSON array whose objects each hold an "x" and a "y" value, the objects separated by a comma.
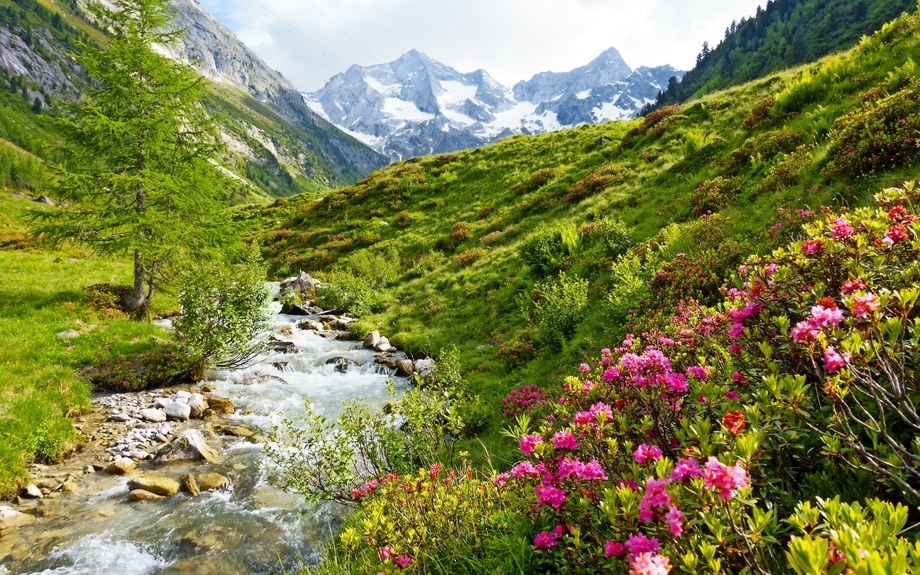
[
  {"x": 696, "y": 276},
  {"x": 224, "y": 313},
  {"x": 425, "y": 263},
  {"x": 654, "y": 125},
  {"x": 609, "y": 236},
  {"x": 597, "y": 181},
  {"x": 713, "y": 195},
  {"x": 879, "y": 133},
  {"x": 468, "y": 257},
  {"x": 556, "y": 308},
  {"x": 344, "y": 291},
  {"x": 761, "y": 114},
  {"x": 545, "y": 249},
  {"x": 377, "y": 268},
  {"x": 787, "y": 171},
  {"x": 163, "y": 366},
  {"x": 490, "y": 238},
  {"x": 765, "y": 147},
  {"x": 105, "y": 299},
  {"x": 535, "y": 181}
]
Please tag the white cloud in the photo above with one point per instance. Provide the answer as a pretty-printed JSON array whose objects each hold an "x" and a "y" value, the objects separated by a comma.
[{"x": 511, "y": 39}]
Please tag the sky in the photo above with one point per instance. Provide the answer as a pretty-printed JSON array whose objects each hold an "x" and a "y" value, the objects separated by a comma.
[{"x": 309, "y": 41}]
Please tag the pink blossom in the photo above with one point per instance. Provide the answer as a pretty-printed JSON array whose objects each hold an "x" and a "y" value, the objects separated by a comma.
[
  {"x": 645, "y": 452},
  {"x": 812, "y": 246},
  {"x": 544, "y": 540},
  {"x": 502, "y": 478},
  {"x": 605, "y": 351},
  {"x": 736, "y": 376},
  {"x": 528, "y": 442},
  {"x": 834, "y": 360},
  {"x": 686, "y": 468},
  {"x": 675, "y": 517},
  {"x": 550, "y": 495},
  {"x": 386, "y": 552},
  {"x": 852, "y": 285},
  {"x": 526, "y": 468},
  {"x": 717, "y": 475},
  {"x": 861, "y": 305},
  {"x": 731, "y": 394},
  {"x": 564, "y": 440},
  {"x": 613, "y": 548},
  {"x": 593, "y": 471},
  {"x": 611, "y": 373},
  {"x": 842, "y": 229},
  {"x": 697, "y": 371},
  {"x": 804, "y": 331},
  {"x": 896, "y": 233},
  {"x": 569, "y": 467},
  {"x": 601, "y": 408},
  {"x": 584, "y": 368},
  {"x": 649, "y": 564},
  {"x": 736, "y": 331},
  {"x": 403, "y": 560},
  {"x": 638, "y": 543},
  {"x": 823, "y": 316},
  {"x": 656, "y": 495},
  {"x": 676, "y": 381}
]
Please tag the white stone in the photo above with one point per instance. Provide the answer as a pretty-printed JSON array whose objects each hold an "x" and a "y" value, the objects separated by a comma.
[
  {"x": 69, "y": 334},
  {"x": 153, "y": 415},
  {"x": 176, "y": 410},
  {"x": 32, "y": 492}
]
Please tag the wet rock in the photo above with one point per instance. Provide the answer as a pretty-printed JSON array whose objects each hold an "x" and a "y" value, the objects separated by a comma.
[
  {"x": 119, "y": 416},
  {"x": 176, "y": 410},
  {"x": 46, "y": 483},
  {"x": 424, "y": 367},
  {"x": 234, "y": 430},
  {"x": 153, "y": 415},
  {"x": 221, "y": 405},
  {"x": 207, "y": 388},
  {"x": 70, "y": 487},
  {"x": 310, "y": 325},
  {"x": 383, "y": 345},
  {"x": 162, "y": 402},
  {"x": 191, "y": 445},
  {"x": 285, "y": 330},
  {"x": 143, "y": 495},
  {"x": 68, "y": 334},
  {"x": 339, "y": 364},
  {"x": 302, "y": 283},
  {"x": 372, "y": 339},
  {"x": 89, "y": 469},
  {"x": 43, "y": 199},
  {"x": 11, "y": 519},
  {"x": 32, "y": 492},
  {"x": 182, "y": 396},
  {"x": 197, "y": 405},
  {"x": 190, "y": 484},
  {"x": 212, "y": 481},
  {"x": 405, "y": 367},
  {"x": 280, "y": 346},
  {"x": 283, "y": 366},
  {"x": 155, "y": 484},
  {"x": 292, "y": 309}
]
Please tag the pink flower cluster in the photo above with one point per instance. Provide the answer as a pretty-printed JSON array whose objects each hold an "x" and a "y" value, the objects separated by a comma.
[
  {"x": 599, "y": 413},
  {"x": 646, "y": 452},
  {"x": 575, "y": 469},
  {"x": 529, "y": 442},
  {"x": 656, "y": 495},
  {"x": 649, "y": 564},
  {"x": 862, "y": 305},
  {"x": 565, "y": 440},
  {"x": 549, "y": 495},
  {"x": 833, "y": 360},
  {"x": 821, "y": 317},
  {"x": 842, "y": 229},
  {"x": 724, "y": 479}
]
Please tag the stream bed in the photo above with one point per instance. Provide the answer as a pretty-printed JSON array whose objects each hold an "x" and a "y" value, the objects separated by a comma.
[{"x": 249, "y": 528}]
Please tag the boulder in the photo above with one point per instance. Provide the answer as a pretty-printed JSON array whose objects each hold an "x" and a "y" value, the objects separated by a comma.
[
  {"x": 43, "y": 199},
  {"x": 372, "y": 339},
  {"x": 183, "y": 395},
  {"x": 280, "y": 346},
  {"x": 197, "y": 405},
  {"x": 406, "y": 367},
  {"x": 70, "y": 486},
  {"x": 143, "y": 495},
  {"x": 339, "y": 364},
  {"x": 424, "y": 367},
  {"x": 161, "y": 402},
  {"x": 383, "y": 345},
  {"x": 176, "y": 410},
  {"x": 68, "y": 334},
  {"x": 222, "y": 405},
  {"x": 310, "y": 325},
  {"x": 207, "y": 388},
  {"x": 155, "y": 484},
  {"x": 189, "y": 484},
  {"x": 212, "y": 481},
  {"x": 302, "y": 283},
  {"x": 153, "y": 415},
  {"x": 283, "y": 366},
  {"x": 234, "y": 430},
  {"x": 11, "y": 519},
  {"x": 119, "y": 416},
  {"x": 32, "y": 492},
  {"x": 292, "y": 309},
  {"x": 191, "y": 445}
]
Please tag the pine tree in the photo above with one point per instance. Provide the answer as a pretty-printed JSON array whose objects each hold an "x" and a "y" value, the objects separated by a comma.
[{"x": 137, "y": 180}]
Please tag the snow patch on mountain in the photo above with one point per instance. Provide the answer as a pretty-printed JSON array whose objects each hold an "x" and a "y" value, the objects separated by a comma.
[{"x": 416, "y": 105}]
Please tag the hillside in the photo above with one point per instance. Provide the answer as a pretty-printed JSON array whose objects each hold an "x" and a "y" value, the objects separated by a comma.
[
  {"x": 469, "y": 236},
  {"x": 276, "y": 145},
  {"x": 786, "y": 33}
]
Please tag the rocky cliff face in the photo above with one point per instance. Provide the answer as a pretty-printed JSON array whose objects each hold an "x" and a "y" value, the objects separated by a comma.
[
  {"x": 54, "y": 72},
  {"x": 416, "y": 105}
]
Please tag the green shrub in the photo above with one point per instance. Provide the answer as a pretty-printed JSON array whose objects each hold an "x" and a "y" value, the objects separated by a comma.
[
  {"x": 344, "y": 291},
  {"x": 881, "y": 132},
  {"x": 556, "y": 308},
  {"x": 224, "y": 312},
  {"x": 426, "y": 262},
  {"x": 377, "y": 268},
  {"x": 545, "y": 249},
  {"x": 163, "y": 366},
  {"x": 787, "y": 171},
  {"x": 761, "y": 115},
  {"x": 468, "y": 257},
  {"x": 654, "y": 125},
  {"x": 765, "y": 147},
  {"x": 713, "y": 195},
  {"x": 609, "y": 236},
  {"x": 535, "y": 181}
]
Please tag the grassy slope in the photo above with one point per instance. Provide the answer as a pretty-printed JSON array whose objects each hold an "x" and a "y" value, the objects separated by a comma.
[
  {"x": 413, "y": 206},
  {"x": 40, "y": 296}
]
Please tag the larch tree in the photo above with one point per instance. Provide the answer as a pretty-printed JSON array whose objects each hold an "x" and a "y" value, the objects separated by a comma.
[{"x": 138, "y": 178}]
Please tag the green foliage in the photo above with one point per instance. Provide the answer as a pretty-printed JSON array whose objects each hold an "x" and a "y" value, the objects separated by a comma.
[
  {"x": 344, "y": 291},
  {"x": 556, "y": 308},
  {"x": 545, "y": 249},
  {"x": 611, "y": 237},
  {"x": 224, "y": 313},
  {"x": 20, "y": 172},
  {"x": 136, "y": 178}
]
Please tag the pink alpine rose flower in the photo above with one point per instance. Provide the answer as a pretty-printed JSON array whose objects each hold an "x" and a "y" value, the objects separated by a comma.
[
  {"x": 718, "y": 476},
  {"x": 544, "y": 540},
  {"x": 647, "y": 452},
  {"x": 862, "y": 305},
  {"x": 528, "y": 442},
  {"x": 565, "y": 440},
  {"x": 649, "y": 564},
  {"x": 833, "y": 360}
]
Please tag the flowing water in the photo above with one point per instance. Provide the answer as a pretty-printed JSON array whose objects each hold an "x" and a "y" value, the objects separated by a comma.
[{"x": 251, "y": 528}]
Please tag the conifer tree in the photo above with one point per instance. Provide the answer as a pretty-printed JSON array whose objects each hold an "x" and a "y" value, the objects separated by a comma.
[{"x": 137, "y": 180}]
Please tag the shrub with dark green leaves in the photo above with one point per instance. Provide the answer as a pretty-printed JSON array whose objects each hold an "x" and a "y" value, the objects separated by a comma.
[
  {"x": 556, "y": 307},
  {"x": 713, "y": 195},
  {"x": 609, "y": 236},
  {"x": 544, "y": 249},
  {"x": 535, "y": 181}
]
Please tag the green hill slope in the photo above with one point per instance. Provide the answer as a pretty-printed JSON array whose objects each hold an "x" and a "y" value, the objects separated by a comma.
[
  {"x": 786, "y": 33},
  {"x": 472, "y": 239}
]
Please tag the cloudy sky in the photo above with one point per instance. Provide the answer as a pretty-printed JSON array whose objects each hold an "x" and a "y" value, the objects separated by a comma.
[{"x": 311, "y": 40}]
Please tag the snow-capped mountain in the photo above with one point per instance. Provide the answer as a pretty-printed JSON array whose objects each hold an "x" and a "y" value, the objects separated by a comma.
[{"x": 416, "y": 105}]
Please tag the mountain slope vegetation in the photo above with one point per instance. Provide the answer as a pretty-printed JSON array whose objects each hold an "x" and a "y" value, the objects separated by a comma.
[
  {"x": 530, "y": 255},
  {"x": 786, "y": 33}
]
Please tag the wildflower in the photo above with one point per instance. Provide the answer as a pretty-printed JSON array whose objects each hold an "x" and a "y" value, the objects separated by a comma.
[
  {"x": 736, "y": 330},
  {"x": 592, "y": 471},
  {"x": 611, "y": 373},
  {"x": 861, "y": 305},
  {"x": 656, "y": 495},
  {"x": 584, "y": 368},
  {"x": 834, "y": 360},
  {"x": 675, "y": 517},
  {"x": 613, "y": 548},
  {"x": 676, "y": 381},
  {"x": 842, "y": 229},
  {"x": 502, "y": 478},
  {"x": 717, "y": 475},
  {"x": 386, "y": 552},
  {"x": 731, "y": 394},
  {"x": 605, "y": 351},
  {"x": 645, "y": 452},
  {"x": 528, "y": 442},
  {"x": 564, "y": 440},
  {"x": 897, "y": 213},
  {"x": 638, "y": 543},
  {"x": 550, "y": 495},
  {"x": 733, "y": 421},
  {"x": 852, "y": 285},
  {"x": 357, "y": 493},
  {"x": 526, "y": 468},
  {"x": 822, "y": 316},
  {"x": 896, "y": 233},
  {"x": 736, "y": 376},
  {"x": 569, "y": 467},
  {"x": 812, "y": 246},
  {"x": 544, "y": 540},
  {"x": 403, "y": 560},
  {"x": 697, "y": 371},
  {"x": 649, "y": 564}
]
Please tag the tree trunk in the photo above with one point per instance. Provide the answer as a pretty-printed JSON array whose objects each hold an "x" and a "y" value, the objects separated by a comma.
[{"x": 135, "y": 299}]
